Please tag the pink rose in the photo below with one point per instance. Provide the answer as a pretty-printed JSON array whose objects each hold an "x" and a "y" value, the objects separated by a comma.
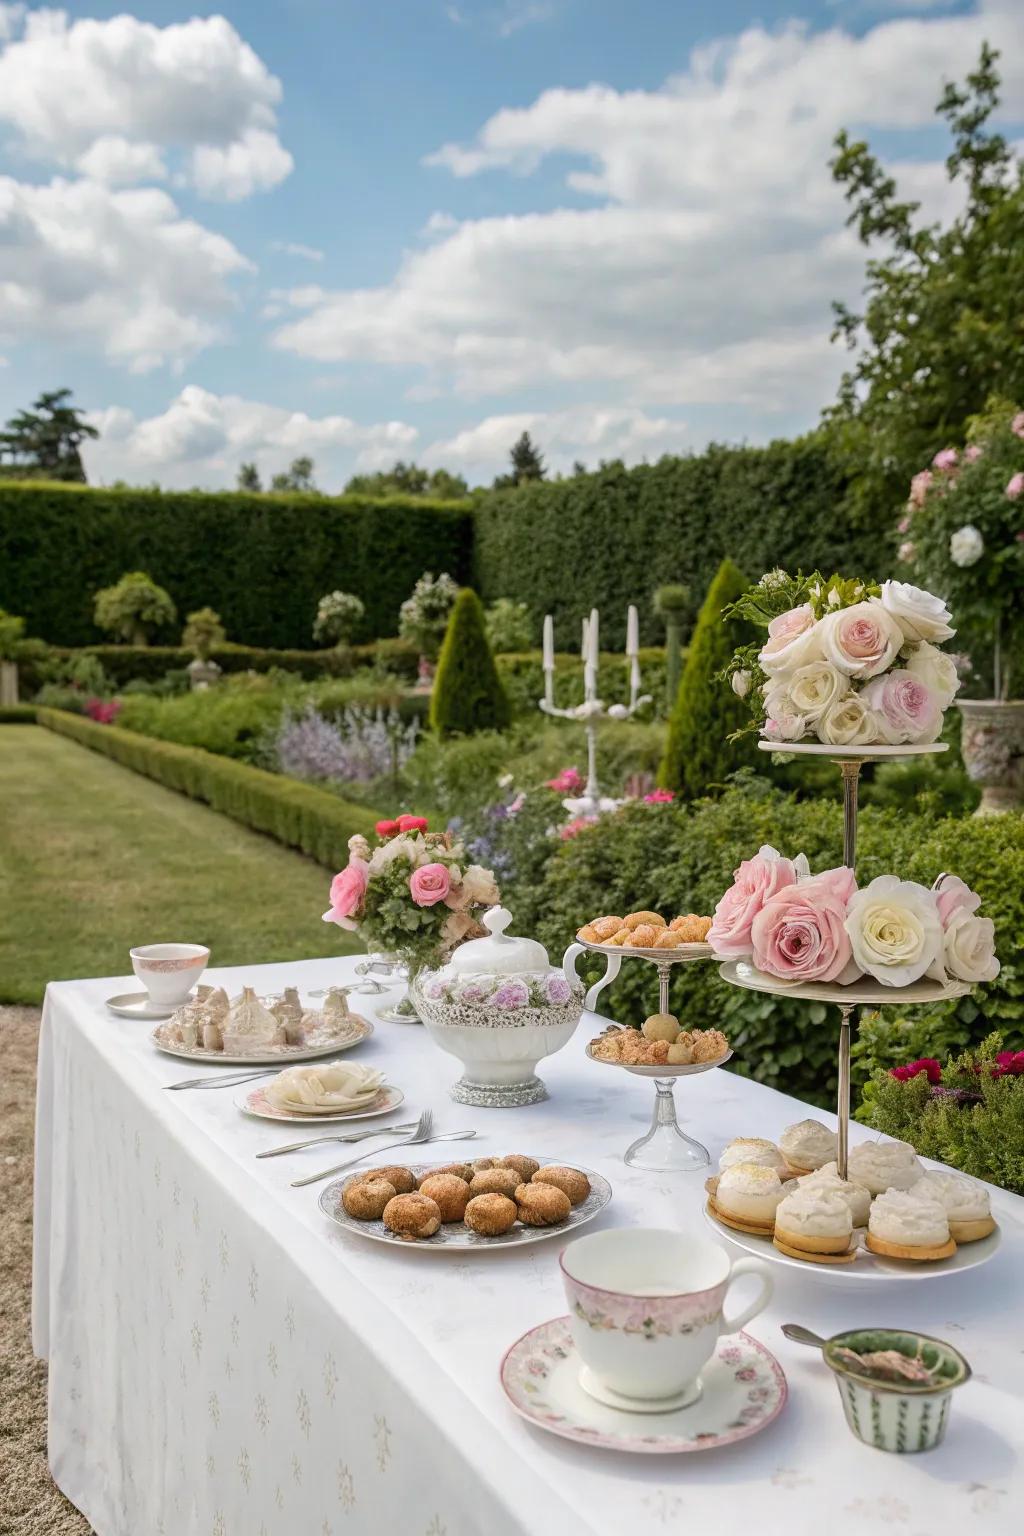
[
  {"x": 1016, "y": 485},
  {"x": 1017, "y": 424},
  {"x": 429, "y": 884},
  {"x": 347, "y": 891},
  {"x": 903, "y": 526},
  {"x": 907, "y": 551},
  {"x": 919, "y": 487},
  {"x": 946, "y": 459},
  {"x": 755, "y": 881},
  {"x": 953, "y": 895},
  {"x": 905, "y": 708},
  {"x": 973, "y": 452},
  {"x": 840, "y": 882},
  {"x": 791, "y": 640},
  {"x": 862, "y": 640},
  {"x": 799, "y": 933}
]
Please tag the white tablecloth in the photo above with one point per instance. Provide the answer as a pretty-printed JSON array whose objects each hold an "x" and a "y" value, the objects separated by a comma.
[{"x": 225, "y": 1361}]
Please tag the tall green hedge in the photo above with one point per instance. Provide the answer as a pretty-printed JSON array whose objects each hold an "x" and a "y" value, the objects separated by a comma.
[
  {"x": 148, "y": 663},
  {"x": 611, "y": 538},
  {"x": 263, "y": 562},
  {"x": 468, "y": 695}
]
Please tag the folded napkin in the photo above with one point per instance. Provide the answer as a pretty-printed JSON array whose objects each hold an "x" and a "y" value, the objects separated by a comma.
[{"x": 334, "y": 1085}]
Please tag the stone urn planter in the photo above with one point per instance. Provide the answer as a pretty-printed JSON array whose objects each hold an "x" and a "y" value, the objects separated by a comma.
[
  {"x": 202, "y": 672},
  {"x": 992, "y": 746}
]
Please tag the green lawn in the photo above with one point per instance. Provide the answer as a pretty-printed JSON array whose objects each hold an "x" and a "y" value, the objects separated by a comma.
[{"x": 94, "y": 859}]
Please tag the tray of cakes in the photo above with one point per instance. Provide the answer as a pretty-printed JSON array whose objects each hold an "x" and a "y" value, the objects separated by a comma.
[
  {"x": 252, "y": 1031},
  {"x": 660, "y": 1048},
  {"x": 890, "y": 1218},
  {"x": 649, "y": 935}
]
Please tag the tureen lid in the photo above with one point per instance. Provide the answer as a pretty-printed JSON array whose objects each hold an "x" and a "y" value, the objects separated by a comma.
[{"x": 498, "y": 953}]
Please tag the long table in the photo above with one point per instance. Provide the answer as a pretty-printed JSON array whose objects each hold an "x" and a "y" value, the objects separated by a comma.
[{"x": 224, "y": 1361}]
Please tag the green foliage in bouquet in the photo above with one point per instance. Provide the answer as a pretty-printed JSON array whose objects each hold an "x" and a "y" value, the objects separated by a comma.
[
  {"x": 468, "y": 694},
  {"x": 971, "y": 1119},
  {"x": 699, "y": 754}
]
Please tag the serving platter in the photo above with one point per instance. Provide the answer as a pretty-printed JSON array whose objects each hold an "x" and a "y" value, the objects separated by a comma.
[
  {"x": 858, "y": 754},
  {"x": 639, "y": 1070},
  {"x": 454, "y": 1237},
  {"x": 740, "y": 973},
  {"x": 282, "y": 1056},
  {"x": 256, "y": 1104},
  {"x": 674, "y": 956}
]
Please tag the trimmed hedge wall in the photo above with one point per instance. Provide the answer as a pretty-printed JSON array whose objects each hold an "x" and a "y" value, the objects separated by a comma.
[
  {"x": 263, "y": 562},
  {"x": 123, "y": 663},
  {"x": 318, "y": 823},
  {"x": 610, "y": 538},
  {"x": 17, "y": 714}
]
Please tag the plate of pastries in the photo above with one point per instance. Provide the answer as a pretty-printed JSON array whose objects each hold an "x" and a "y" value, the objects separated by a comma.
[
  {"x": 890, "y": 1216},
  {"x": 660, "y": 1048},
  {"x": 490, "y": 1202},
  {"x": 650, "y": 934}
]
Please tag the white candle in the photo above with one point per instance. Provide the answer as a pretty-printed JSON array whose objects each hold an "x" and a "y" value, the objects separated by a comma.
[
  {"x": 632, "y": 631},
  {"x": 634, "y": 682},
  {"x": 592, "y": 639},
  {"x": 583, "y": 643},
  {"x": 549, "y": 643}
]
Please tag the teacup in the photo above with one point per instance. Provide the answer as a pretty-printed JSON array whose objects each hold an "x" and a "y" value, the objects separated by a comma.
[
  {"x": 169, "y": 971},
  {"x": 647, "y": 1312}
]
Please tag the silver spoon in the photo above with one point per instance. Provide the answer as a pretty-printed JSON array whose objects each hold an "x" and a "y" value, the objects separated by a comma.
[{"x": 801, "y": 1335}]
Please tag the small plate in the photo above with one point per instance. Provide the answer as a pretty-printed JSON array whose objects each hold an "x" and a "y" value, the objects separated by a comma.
[
  {"x": 662, "y": 1071},
  {"x": 137, "y": 1005},
  {"x": 674, "y": 956},
  {"x": 452, "y": 1236},
  {"x": 867, "y": 1266},
  {"x": 740, "y": 973},
  {"x": 259, "y": 1106},
  {"x": 284, "y": 1056},
  {"x": 744, "y": 1389},
  {"x": 862, "y": 754}
]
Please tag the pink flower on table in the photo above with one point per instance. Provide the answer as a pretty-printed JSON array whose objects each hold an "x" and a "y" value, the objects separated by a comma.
[
  {"x": 511, "y": 994},
  {"x": 906, "y": 710},
  {"x": 412, "y": 823},
  {"x": 952, "y": 895},
  {"x": 347, "y": 891},
  {"x": 558, "y": 989},
  {"x": 1015, "y": 485},
  {"x": 754, "y": 882},
  {"x": 919, "y": 487},
  {"x": 792, "y": 640},
  {"x": 862, "y": 640},
  {"x": 1017, "y": 424},
  {"x": 800, "y": 935},
  {"x": 429, "y": 884},
  {"x": 946, "y": 459}
]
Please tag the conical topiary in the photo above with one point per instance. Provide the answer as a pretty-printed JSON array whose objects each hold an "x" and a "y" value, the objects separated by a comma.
[
  {"x": 468, "y": 695},
  {"x": 698, "y": 753}
]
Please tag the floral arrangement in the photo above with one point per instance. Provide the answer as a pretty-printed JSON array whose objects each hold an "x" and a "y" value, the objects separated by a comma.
[
  {"x": 963, "y": 528},
  {"x": 796, "y": 926},
  {"x": 847, "y": 662},
  {"x": 414, "y": 895},
  {"x": 505, "y": 992}
]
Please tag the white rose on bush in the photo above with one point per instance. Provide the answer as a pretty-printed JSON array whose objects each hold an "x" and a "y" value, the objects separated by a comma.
[
  {"x": 848, "y": 722},
  {"x": 895, "y": 931},
  {"x": 919, "y": 615},
  {"x": 861, "y": 640},
  {"x": 936, "y": 671},
  {"x": 812, "y": 688},
  {"x": 966, "y": 545}
]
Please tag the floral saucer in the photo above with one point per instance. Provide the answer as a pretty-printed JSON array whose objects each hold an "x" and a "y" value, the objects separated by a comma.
[
  {"x": 256, "y": 1103},
  {"x": 744, "y": 1389}
]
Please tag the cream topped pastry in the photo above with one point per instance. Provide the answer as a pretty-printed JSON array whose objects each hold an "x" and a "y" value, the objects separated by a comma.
[
  {"x": 903, "y": 1218},
  {"x": 808, "y": 1144},
  {"x": 826, "y": 1179},
  {"x": 753, "y": 1149},
  {"x": 967, "y": 1204},
  {"x": 882, "y": 1165},
  {"x": 816, "y": 1220},
  {"x": 750, "y": 1192}
]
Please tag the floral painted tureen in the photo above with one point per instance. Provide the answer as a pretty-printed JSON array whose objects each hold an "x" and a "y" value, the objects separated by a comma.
[{"x": 499, "y": 1006}]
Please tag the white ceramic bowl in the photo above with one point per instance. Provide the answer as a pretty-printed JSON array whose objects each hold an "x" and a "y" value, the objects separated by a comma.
[
  {"x": 499, "y": 1048},
  {"x": 169, "y": 971}
]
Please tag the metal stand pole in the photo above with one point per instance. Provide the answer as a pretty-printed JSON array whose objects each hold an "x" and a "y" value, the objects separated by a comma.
[
  {"x": 850, "y": 769},
  {"x": 592, "y": 792},
  {"x": 843, "y": 1106},
  {"x": 664, "y": 974}
]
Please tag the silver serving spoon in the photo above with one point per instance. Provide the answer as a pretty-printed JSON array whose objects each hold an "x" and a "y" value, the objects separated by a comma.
[{"x": 800, "y": 1335}]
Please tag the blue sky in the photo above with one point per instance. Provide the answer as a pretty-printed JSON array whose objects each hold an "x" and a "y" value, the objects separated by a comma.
[{"x": 610, "y": 223}]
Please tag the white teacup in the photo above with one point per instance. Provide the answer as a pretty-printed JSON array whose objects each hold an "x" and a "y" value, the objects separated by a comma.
[
  {"x": 169, "y": 971},
  {"x": 647, "y": 1312}
]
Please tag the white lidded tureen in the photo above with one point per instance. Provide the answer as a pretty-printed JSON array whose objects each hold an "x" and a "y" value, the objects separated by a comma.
[{"x": 499, "y": 1006}]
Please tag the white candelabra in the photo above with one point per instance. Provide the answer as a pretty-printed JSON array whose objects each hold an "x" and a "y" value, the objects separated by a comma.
[{"x": 592, "y": 711}]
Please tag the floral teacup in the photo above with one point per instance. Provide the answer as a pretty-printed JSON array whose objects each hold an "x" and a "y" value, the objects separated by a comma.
[
  {"x": 647, "y": 1312},
  {"x": 169, "y": 971}
]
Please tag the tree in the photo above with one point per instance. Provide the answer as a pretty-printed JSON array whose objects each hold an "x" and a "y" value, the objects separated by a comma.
[
  {"x": 698, "y": 754},
  {"x": 43, "y": 442},
  {"x": 134, "y": 607},
  {"x": 298, "y": 477},
  {"x": 338, "y": 615},
  {"x": 203, "y": 632},
  {"x": 527, "y": 463},
  {"x": 249, "y": 478},
  {"x": 671, "y": 604},
  {"x": 509, "y": 626},
  {"x": 943, "y": 327},
  {"x": 468, "y": 695},
  {"x": 409, "y": 480},
  {"x": 423, "y": 617}
]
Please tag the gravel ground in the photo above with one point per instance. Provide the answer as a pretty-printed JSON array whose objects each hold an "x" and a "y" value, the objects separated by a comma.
[{"x": 30, "y": 1502}]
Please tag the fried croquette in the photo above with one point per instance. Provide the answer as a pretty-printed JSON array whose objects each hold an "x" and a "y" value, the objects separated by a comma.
[
  {"x": 542, "y": 1205},
  {"x": 412, "y": 1216},
  {"x": 449, "y": 1194},
  {"x": 366, "y": 1199},
  {"x": 490, "y": 1215},
  {"x": 495, "y": 1181},
  {"x": 573, "y": 1184}
]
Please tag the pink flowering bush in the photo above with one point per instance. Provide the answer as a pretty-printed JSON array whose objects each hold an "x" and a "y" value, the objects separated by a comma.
[{"x": 103, "y": 711}]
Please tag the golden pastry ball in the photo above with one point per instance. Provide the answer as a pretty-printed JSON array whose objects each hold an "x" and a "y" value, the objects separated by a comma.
[
  {"x": 449, "y": 1193},
  {"x": 495, "y": 1181},
  {"x": 412, "y": 1216},
  {"x": 542, "y": 1205},
  {"x": 366, "y": 1199},
  {"x": 490, "y": 1215},
  {"x": 661, "y": 1026},
  {"x": 573, "y": 1184}
]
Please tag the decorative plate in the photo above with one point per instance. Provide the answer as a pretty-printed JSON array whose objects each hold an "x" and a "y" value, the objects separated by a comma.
[
  {"x": 259, "y": 1106},
  {"x": 740, "y": 973},
  {"x": 452, "y": 1236},
  {"x": 661, "y": 956},
  {"x": 661, "y": 1071},
  {"x": 862, "y": 754},
  {"x": 283, "y": 1056},
  {"x": 744, "y": 1390},
  {"x": 137, "y": 1005},
  {"x": 867, "y": 1266}
]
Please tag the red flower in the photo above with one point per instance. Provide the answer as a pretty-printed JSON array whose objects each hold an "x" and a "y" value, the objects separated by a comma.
[
  {"x": 568, "y": 782},
  {"x": 412, "y": 823},
  {"x": 928, "y": 1065},
  {"x": 104, "y": 712},
  {"x": 1009, "y": 1064},
  {"x": 387, "y": 828},
  {"x": 659, "y": 797}
]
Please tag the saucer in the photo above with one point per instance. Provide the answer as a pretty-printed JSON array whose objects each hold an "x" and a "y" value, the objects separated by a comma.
[
  {"x": 256, "y": 1103},
  {"x": 744, "y": 1389},
  {"x": 137, "y": 1005}
]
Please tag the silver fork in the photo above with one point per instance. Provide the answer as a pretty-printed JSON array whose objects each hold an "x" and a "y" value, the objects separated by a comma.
[
  {"x": 316, "y": 1141},
  {"x": 222, "y": 1080},
  {"x": 420, "y": 1132},
  {"x": 409, "y": 1141}
]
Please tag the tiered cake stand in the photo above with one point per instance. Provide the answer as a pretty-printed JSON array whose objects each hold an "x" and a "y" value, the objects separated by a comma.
[{"x": 849, "y": 760}]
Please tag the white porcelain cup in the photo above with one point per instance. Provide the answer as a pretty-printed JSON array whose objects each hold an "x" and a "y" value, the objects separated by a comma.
[
  {"x": 647, "y": 1311},
  {"x": 169, "y": 971}
]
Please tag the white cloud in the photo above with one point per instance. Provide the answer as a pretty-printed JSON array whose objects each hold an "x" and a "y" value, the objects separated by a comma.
[
  {"x": 202, "y": 438},
  {"x": 11, "y": 17},
  {"x": 707, "y": 268},
  {"x": 293, "y": 248},
  {"x": 115, "y": 97},
  {"x": 587, "y": 432},
  {"x": 120, "y": 271}
]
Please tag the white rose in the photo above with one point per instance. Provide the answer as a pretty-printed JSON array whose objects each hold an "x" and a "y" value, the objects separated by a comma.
[
  {"x": 895, "y": 931},
  {"x": 479, "y": 887},
  {"x": 783, "y": 722},
  {"x": 936, "y": 670},
  {"x": 966, "y": 545},
  {"x": 847, "y": 722},
  {"x": 793, "y": 639},
  {"x": 861, "y": 640},
  {"x": 969, "y": 947},
  {"x": 814, "y": 687},
  {"x": 920, "y": 615},
  {"x": 741, "y": 684}
]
